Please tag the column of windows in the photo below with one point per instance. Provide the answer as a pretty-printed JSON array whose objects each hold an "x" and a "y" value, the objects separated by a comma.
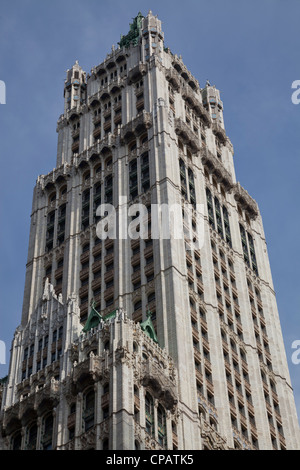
[
  {"x": 187, "y": 182},
  {"x": 218, "y": 217},
  {"x": 239, "y": 389},
  {"x": 248, "y": 249}
]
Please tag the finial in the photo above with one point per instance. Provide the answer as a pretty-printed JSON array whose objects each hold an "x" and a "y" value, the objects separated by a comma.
[{"x": 207, "y": 83}]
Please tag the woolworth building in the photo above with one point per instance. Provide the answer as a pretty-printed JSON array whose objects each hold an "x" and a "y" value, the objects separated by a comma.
[{"x": 129, "y": 342}]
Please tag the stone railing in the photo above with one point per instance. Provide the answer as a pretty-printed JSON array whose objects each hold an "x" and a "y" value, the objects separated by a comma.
[
  {"x": 92, "y": 368},
  {"x": 217, "y": 168},
  {"x": 172, "y": 77},
  {"x": 219, "y": 132},
  {"x": 187, "y": 135},
  {"x": 245, "y": 200},
  {"x": 136, "y": 125}
]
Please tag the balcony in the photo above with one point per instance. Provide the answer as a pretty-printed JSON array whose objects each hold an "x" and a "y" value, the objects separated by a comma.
[
  {"x": 219, "y": 132},
  {"x": 137, "y": 73},
  {"x": 91, "y": 367},
  {"x": 173, "y": 78},
  {"x": 187, "y": 135},
  {"x": 135, "y": 127},
  {"x": 217, "y": 168},
  {"x": 245, "y": 200}
]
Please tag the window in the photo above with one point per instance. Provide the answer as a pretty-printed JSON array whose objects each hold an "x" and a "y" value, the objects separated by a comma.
[
  {"x": 248, "y": 249},
  {"x": 31, "y": 437},
  {"x": 89, "y": 409},
  {"x": 85, "y": 211},
  {"x": 192, "y": 187},
  {"x": 16, "y": 441},
  {"x": 218, "y": 217},
  {"x": 47, "y": 431},
  {"x": 149, "y": 414},
  {"x": 97, "y": 200},
  {"x": 161, "y": 426},
  {"x": 133, "y": 179}
]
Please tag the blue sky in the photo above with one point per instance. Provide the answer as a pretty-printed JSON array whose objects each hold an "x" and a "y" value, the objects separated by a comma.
[{"x": 249, "y": 50}]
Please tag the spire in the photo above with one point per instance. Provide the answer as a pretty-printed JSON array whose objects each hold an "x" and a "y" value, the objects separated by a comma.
[
  {"x": 148, "y": 327},
  {"x": 93, "y": 319}
]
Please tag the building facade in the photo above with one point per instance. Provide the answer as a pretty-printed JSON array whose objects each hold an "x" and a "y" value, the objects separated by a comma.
[{"x": 145, "y": 341}]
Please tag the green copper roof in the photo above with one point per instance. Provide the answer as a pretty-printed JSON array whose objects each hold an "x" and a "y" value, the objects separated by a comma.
[
  {"x": 148, "y": 328},
  {"x": 95, "y": 317},
  {"x": 134, "y": 33}
]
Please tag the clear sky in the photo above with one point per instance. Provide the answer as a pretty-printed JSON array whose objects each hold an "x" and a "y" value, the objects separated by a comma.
[{"x": 248, "y": 49}]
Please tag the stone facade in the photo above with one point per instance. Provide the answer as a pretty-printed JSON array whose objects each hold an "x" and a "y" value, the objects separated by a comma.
[{"x": 139, "y": 130}]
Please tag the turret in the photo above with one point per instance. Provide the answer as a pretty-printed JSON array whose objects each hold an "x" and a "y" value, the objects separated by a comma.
[{"x": 75, "y": 87}]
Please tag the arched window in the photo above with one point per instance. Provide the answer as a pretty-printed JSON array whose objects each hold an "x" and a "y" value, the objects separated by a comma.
[
  {"x": 89, "y": 409},
  {"x": 31, "y": 437},
  {"x": 213, "y": 423},
  {"x": 161, "y": 426},
  {"x": 16, "y": 441},
  {"x": 149, "y": 413},
  {"x": 52, "y": 198},
  {"x": 63, "y": 191},
  {"x": 86, "y": 177},
  {"x": 47, "y": 432}
]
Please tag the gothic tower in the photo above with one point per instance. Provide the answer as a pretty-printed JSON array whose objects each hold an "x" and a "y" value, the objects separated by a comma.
[{"x": 142, "y": 339}]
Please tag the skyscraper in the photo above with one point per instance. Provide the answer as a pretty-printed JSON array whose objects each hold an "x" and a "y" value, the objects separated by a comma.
[{"x": 144, "y": 339}]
